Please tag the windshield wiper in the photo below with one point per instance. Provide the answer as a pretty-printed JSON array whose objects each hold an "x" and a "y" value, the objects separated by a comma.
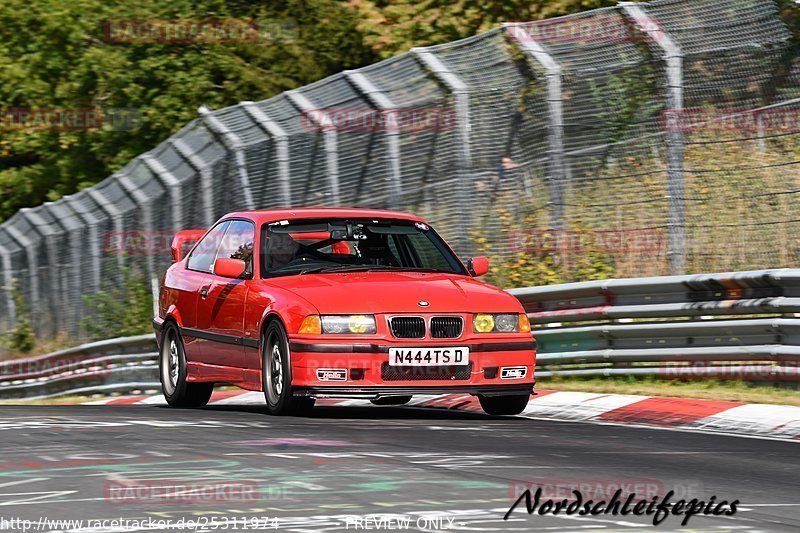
[
  {"x": 369, "y": 268},
  {"x": 412, "y": 269},
  {"x": 337, "y": 268}
]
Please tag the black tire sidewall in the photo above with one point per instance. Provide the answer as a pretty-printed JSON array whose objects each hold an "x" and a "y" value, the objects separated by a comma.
[
  {"x": 504, "y": 405},
  {"x": 180, "y": 387},
  {"x": 284, "y": 403}
]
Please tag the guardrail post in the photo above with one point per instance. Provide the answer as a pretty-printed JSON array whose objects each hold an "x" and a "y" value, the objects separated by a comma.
[
  {"x": 388, "y": 109},
  {"x": 234, "y": 144},
  {"x": 203, "y": 172},
  {"x": 281, "y": 140},
  {"x": 555, "y": 156},
  {"x": 673, "y": 57},
  {"x": 172, "y": 184},
  {"x": 460, "y": 91},
  {"x": 324, "y": 122}
]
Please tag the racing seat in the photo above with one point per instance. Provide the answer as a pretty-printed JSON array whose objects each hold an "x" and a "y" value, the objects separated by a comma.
[{"x": 375, "y": 251}]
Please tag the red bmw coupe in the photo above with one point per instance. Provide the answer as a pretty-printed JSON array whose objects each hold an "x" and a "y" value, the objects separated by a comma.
[{"x": 337, "y": 303}]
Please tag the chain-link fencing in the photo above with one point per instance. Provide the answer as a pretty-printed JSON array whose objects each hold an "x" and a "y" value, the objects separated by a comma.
[{"x": 636, "y": 140}]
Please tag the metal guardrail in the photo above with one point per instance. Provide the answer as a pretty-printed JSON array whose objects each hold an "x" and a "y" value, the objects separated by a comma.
[
  {"x": 673, "y": 327},
  {"x": 120, "y": 365},
  {"x": 676, "y": 327}
]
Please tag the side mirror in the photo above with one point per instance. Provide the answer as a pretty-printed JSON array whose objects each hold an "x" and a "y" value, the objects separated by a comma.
[
  {"x": 229, "y": 268},
  {"x": 183, "y": 241},
  {"x": 478, "y": 266}
]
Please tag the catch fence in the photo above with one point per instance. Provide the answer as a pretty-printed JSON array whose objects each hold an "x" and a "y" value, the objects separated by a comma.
[{"x": 641, "y": 139}]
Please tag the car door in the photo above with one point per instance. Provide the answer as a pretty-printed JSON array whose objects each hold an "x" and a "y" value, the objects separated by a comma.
[
  {"x": 222, "y": 303},
  {"x": 195, "y": 279}
]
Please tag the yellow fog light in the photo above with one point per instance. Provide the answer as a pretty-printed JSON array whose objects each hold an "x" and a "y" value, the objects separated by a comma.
[
  {"x": 361, "y": 324},
  {"x": 483, "y": 323}
]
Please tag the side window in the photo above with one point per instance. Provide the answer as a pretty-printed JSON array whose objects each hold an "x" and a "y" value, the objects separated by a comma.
[
  {"x": 238, "y": 243},
  {"x": 202, "y": 257}
]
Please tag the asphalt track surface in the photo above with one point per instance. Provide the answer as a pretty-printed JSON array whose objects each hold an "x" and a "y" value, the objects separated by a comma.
[{"x": 323, "y": 472}]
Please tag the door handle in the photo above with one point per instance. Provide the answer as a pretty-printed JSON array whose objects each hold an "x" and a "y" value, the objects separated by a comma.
[{"x": 203, "y": 292}]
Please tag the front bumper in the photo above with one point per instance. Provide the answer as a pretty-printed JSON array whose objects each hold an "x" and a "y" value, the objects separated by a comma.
[
  {"x": 362, "y": 370},
  {"x": 375, "y": 393}
]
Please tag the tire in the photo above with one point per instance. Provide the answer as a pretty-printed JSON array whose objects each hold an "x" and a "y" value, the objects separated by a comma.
[
  {"x": 392, "y": 400},
  {"x": 276, "y": 374},
  {"x": 504, "y": 405},
  {"x": 172, "y": 369}
]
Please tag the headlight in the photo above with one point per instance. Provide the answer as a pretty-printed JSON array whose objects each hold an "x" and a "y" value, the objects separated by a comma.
[
  {"x": 483, "y": 323},
  {"x": 505, "y": 323},
  {"x": 348, "y": 324}
]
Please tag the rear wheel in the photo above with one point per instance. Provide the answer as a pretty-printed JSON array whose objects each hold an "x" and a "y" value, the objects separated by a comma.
[
  {"x": 276, "y": 374},
  {"x": 504, "y": 405},
  {"x": 173, "y": 370},
  {"x": 392, "y": 400}
]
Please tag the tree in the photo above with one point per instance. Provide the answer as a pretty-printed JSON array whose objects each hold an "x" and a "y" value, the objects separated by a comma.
[
  {"x": 56, "y": 55},
  {"x": 394, "y": 26}
]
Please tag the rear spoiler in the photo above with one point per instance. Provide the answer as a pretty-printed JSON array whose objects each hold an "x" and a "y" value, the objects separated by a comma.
[{"x": 183, "y": 241}]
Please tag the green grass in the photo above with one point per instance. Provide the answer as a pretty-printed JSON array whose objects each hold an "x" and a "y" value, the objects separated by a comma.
[{"x": 702, "y": 389}]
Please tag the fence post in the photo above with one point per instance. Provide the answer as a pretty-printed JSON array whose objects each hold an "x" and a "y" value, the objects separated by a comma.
[
  {"x": 8, "y": 282},
  {"x": 204, "y": 174},
  {"x": 460, "y": 91},
  {"x": 234, "y": 144},
  {"x": 673, "y": 57},
  {"x": 39, "y": 225},
  {"x": 141, "y": 200},
  {"x": 172, "y": 184},
  {"x": 33, "y": 267},
  {"x": 77, "y": 241},
  {"x": 281, "y": 139},
  {"x": 388, "y": 109},
  {"x": 94, "y": 239},
  {"x": 324, "y": 122},
  {"x": 555, "y": 156},
  {"x": 113, "y": 213}
]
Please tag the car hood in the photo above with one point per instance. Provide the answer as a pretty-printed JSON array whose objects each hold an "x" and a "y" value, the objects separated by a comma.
[{"x": 397, "y": 292}]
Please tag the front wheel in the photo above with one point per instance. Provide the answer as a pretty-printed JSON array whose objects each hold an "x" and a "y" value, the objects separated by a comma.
[
  {"x": 172, "y": 369},
  {"x": 276, "y": 374},
  {"x": 504, "y": 405}
]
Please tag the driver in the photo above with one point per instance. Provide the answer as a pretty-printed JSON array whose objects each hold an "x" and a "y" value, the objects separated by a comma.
[{"x": 282, "y": 249}]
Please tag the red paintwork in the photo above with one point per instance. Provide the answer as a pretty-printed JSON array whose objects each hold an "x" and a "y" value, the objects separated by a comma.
[
  {"x": 480, "y": 265},
  {"x": 242, "y": 307},
  {"x": 229, "y": 268}
]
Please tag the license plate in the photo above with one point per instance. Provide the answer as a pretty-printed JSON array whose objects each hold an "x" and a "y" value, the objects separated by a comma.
[{"x": 439, "y": 356}]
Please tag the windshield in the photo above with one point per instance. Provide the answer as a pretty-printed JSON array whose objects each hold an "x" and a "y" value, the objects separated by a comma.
[{"x": 326, "y": 246}]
